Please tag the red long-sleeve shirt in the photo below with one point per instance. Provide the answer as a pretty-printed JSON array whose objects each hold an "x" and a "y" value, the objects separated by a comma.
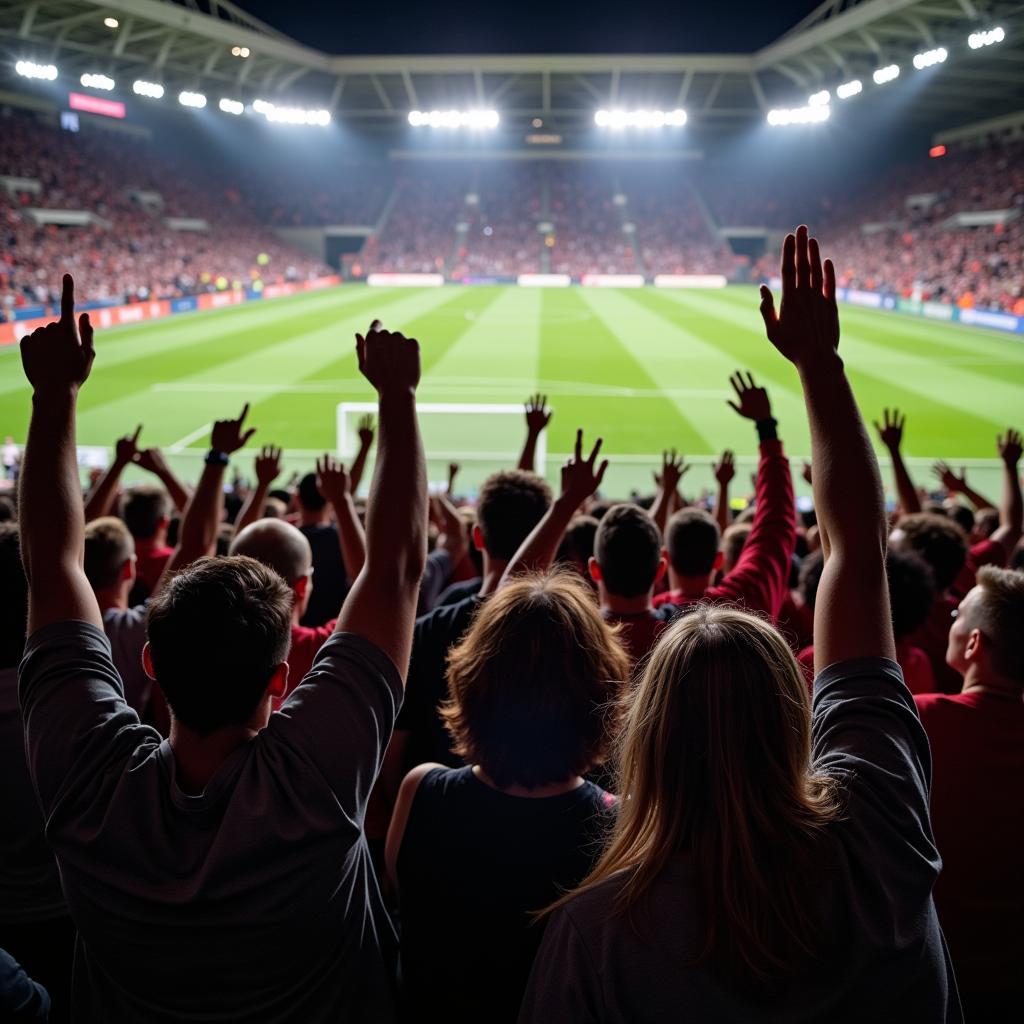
[{"x": 760, "y": 579}]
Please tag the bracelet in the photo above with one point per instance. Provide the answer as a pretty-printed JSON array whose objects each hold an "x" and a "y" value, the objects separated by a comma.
[{"x": 216, "y": 458}]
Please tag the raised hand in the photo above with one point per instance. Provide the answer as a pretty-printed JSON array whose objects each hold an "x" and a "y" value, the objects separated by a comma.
[
  {"x": 753, "y": 401},
  {"x": 365, "y": 428},
  {"x": 806, "y": 327},
  {"x": 673, "y": 469},
  {"x": 453, "y": 472},
  {"x": 953, "y": 483},
  {"x": 808, "y": 474},
  {"x": 891, "y": 431},
  {"x": 538, "y": 415},
  {"x": 127, "y": 448},
  {"x": 227, "y": 436},
  {"x": 332, "y": 480},
  {"x": 580, "y": 479},
  {"x": 1009, "y": 447},
  {"x": 59, "y": 356},
  {"x": 151, "y": 460},
  {"x": 268, "y": 465},
  {"x": 388, "y": 360},
  {"x": 725, "y": 470}
]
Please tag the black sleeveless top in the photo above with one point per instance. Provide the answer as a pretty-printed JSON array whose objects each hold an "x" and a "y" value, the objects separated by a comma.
[{"x": 474, "y": 863}]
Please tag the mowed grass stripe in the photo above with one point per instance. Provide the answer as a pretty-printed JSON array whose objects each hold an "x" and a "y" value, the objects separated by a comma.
[
  {"x": 578, "y": 345},
  {"x": 938, "y": 427},
  {"x": 311, "y": 417}
]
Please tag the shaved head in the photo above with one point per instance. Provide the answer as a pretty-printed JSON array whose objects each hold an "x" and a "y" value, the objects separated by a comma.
[{"x": 276, "y": 544}]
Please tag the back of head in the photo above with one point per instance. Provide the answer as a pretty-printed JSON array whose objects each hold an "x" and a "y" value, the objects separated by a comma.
[
  {"x": 733, "y": 540},
  {"x": 986, "y": 522},
  {"x": 692, "y": 539},
  {"x": 938, "y": 540},
  {"x": 911, "y": 591},
  {"x": 510, "y": 505},
  {"x": 108, "y": 545},
  {"x": 810, "y": 576},
  {"x": 961, "y": 515},
  {"x": 999, "y": 614},
  {"x": 627, "y": 549},
  {"x": 577, "y": 544},
  {"x": 13, "y": 597},
  {"x": 278, "y": 545},
  {"x": 714, "y": 759},
  {"x": 532, "y": 682},
  {"x": 144, "y": 508},
  {"x": 309, "y": 494},
  {"x": 217, "y": 633}
]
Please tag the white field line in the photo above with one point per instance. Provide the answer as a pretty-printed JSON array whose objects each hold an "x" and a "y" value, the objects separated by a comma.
[{"x": 180, "y": 445}]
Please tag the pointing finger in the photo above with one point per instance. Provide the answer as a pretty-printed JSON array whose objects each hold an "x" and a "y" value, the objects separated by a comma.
[{"x": 67, "y": 300}]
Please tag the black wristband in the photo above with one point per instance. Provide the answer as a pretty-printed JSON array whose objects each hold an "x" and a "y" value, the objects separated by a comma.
[
  {"x": 216, "y": 458},
  {"x": 767, "y": 430}
]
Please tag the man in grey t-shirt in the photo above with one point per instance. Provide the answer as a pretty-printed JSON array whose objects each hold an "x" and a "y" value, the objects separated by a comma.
[{"x": 223, "y": 873}]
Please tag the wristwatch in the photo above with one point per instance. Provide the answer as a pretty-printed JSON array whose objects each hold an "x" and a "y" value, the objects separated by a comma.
[{"x": 216, "y": 458}]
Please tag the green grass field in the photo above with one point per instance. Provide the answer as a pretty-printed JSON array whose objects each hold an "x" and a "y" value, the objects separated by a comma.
[{"x": 646, "y": 369}]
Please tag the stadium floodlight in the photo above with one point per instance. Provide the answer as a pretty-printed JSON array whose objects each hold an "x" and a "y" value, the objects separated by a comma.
[
  {"x": 798, "y": 115},
  {"x": 231, "y": 106},
  {"x": 976, "y": 40},
  {"x": 819, "y": 99},
  {"x": 96, "y": 81},
  {"x": 111, "y": 22},
  {"x": 151, "y": 90},
  {"x": 848, "y": 89},
  {"x": 454, "y": 118},
  {"x": 617, "y": 119},
  {"x": 886, "y": 74},
  {"x": 930, "y": 58},
  {"x": 291, "y": 115},
  {"x": 240, "y": 51},
  {"x": 192, "y": 99},
  {"x": 30, "y": 69}
]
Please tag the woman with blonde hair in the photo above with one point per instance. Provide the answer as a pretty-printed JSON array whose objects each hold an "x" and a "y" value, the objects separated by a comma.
[
  {"x": 476, "y": 852},
  {"x": 770, "y": 862}
]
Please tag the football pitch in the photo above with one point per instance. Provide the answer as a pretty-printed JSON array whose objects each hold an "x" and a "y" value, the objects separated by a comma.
[{"x": 646, "y": 369}]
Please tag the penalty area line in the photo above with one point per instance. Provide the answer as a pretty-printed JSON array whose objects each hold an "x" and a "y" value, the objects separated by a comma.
[{"x": 181, "y": 444}]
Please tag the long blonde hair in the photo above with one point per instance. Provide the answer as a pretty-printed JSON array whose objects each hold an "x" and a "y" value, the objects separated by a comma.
[{"x": 714, "y": 763}]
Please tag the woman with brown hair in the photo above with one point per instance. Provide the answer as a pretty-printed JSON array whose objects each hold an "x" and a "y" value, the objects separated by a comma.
[
  {"x": 768, "y": 862},
  {"x": 476, "y": 852}
]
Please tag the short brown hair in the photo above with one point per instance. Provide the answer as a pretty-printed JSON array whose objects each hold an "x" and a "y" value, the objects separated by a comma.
[
  {"x": 692, "y": 540},
  {"x": 733, "y": 540},
  {"x": 534, "y": 684},
  {"x": 143, "y": 509},
  {"x": 1000, "y": 616},
  {"x": 510, "y": 505},
  {"x": 108, "y": 545},
  {"x": 217, "y": 632},
  {"x": 627, "y": 549},
  {"x": 939, "y": 541}
]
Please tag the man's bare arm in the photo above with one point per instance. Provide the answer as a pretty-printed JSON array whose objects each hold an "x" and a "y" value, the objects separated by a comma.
[
  {"x": 101, "y": 498},
  {"x": 1011, "y": 507},
  {"x": 673, "y": 469},
  {"x": 335, "y": 485},
  {"x": 57, "y": 359},
  {"x": 268, "y": 468},
  {"x": 152, "y": 460},
  {"x": 538, "y": 416},
  {"x": 890, "y": 432},
  {"x": 355, "y": 473}
]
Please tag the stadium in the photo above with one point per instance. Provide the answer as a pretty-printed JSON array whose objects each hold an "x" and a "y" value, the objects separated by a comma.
[{"x": 576, "y": 218}]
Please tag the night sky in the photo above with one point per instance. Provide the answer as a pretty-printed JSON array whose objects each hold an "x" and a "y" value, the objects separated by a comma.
[{"x": 531, "y": 26}]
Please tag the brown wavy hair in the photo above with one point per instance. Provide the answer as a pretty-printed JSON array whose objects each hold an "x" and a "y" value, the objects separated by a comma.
[
  {"x": 534, "y": 685},
  {"x": 714, "y": 762}
]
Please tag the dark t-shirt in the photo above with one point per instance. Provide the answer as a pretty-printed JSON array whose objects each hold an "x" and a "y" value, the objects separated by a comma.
[
  {"x": 456, "y": 592},
  {"x": 474, "y": 863},
  {"x": 330, "y": 580},
  {"x": 886, "y": 960},
  {"x": 427, "y": 685},
  {"x": 253, "y": 901}
]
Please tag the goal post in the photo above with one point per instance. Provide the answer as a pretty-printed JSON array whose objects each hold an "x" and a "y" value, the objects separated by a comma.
[{"x": 481, "y": 437}]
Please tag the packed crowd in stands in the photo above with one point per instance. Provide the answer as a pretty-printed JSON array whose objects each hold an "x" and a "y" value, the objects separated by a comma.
[
  {"x": 128, "y": 253},
  {"x": 282, "y": 753}
]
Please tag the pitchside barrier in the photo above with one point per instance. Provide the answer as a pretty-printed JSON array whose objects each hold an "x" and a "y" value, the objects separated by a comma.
[
  {"x": 156, "y": 309},
  {"x": 990, "y": 318}
]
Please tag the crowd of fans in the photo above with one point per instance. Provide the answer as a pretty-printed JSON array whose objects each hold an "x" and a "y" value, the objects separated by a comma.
[{"x": 282, "y": 753}]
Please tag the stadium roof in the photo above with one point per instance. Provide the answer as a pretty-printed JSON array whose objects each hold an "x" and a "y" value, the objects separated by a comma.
[{"x": 188, "y": 44}]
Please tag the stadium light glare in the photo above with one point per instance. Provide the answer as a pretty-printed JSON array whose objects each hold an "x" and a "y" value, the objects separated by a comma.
[
  {"x": 929, "y": 58},
  {"x": 454, "y": 118},
  {"x": 848, "y": 89},
  {"x": 886, "y": 74},
  {"x": 819, "y": 99},
  {"x": 781, "y": 116},
  {"x": 291, "y": 115},
  {"x": 240, "y": 51},
  {"x": 111, "y": 22},
  {"x": 617, "y": 119},
  {"x": 30, "y": 69},
  {"x": 976, "y": 40},
  {"x": 235, "y": 107},
  {"x": 96, "y": 81},
  {"x": 192, "y": 99},
  {"x": 151, "y": 90}
]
